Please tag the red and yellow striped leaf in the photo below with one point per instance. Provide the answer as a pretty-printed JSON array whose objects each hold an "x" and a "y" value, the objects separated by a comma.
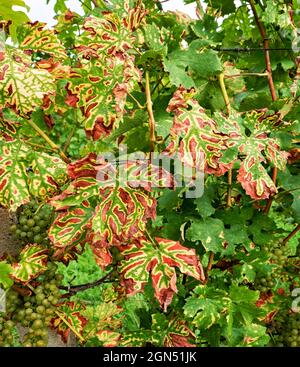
[
  {"x": 23, "y": 87},
  {"x": 68, "y": 229},
  {"x": 37, "y": 39},
  {"x": 32, "y": 262},
  {"x": 171, "y": 333},
  {"x": 71, "y": 313},
  {"x": 47, "y": 175},
  {"x": 14, "y": 191},
  {"x": 255, "y": 151},
  {"x": 122, "y": 214},
  {"x": 108, "y": 338},
  {"x": 195, "y": 136},
  {"x": 145, "y": 260},
  {"x": 24, "y": 172}
]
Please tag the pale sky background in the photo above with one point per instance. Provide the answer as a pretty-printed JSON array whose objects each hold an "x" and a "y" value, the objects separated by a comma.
[{"x": 39, "y": 10}]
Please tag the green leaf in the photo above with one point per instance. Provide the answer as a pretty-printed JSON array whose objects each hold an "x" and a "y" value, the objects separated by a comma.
[
  {"x": 17, "y": 18},
  {"x": 183, "y": 64},
  {"x": 209, "y": 231},
  {"x": 204, "y": 203},
  {"x": 5, "y": 272}
]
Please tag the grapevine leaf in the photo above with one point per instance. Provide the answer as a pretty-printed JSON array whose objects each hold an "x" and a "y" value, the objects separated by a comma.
[
  {"x": 32, "y": 262},
  {"x": 72, "y": 313},
  {"x": 47, "y": 175},
  {"x": 138, "y": 338},
  {"x": 194, "y": 136},
  {"x": 15, "y": 18},
  {"x": 5, "y": 272},
  {"x": 144, "y": 260},
  {"x": 13, "y": 189},
  {"x": 23, "y": 87},
  {"x": 38, "y": 39},
  {"x": 108, "y": 338},
  {"x": 171, "y": 333},
  {"x": 209, "y": 231},
  {"x": 69, "y": 228}
]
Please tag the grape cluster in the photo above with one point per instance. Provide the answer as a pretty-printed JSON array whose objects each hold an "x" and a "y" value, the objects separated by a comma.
[
  {"x": 264, "y": 283},
  {"x": 39, "y": 309},
  {"x": 34, "y": 311},
  {"x": 6, "y": 335},
  {"x": 7, "y": 325},
  {"x": 279, "y": 255},
  {"x": 287, "y": 326},
  {"x": 32, "y": 224}
]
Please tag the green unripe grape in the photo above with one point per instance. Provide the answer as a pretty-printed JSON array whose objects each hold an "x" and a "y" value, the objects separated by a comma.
[
  {"x": 22, "y": 220},
  {"x": 31, "y": 223},
  {"x": 37, "y": 238},
  {"x": 45, "y": 303},
  {"x": 28, "y": 311},
  {"x": 5, "y": 332},
  {"x": 37, "y": 324},
  {"x": 40, "y": 309},
  {"x": 27, "y": 345},
  {"x": 42, "y": 223},
  {"x": 40, "y": 297},
  {"x": 59, "y": 277},
  {"x": 9, "y": 324},
  {"x": 41, "y": 343},
  {"x": 13, "y": 228},
  {"x": 36, "y": 229}
]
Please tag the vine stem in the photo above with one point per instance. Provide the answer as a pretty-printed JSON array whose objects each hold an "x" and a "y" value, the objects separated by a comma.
[
  {"x": 78, "y": 288},
  {"x": 270, "y": 200},
  {"x": 62, "y": 318},
  {"x": 263, "y": 34},
  {"x": 297, "y": 229},
  {"x": 209, "y": 265},
  {"x": 49, "y": 141},
  {"x": 136, "y": 101},
  {"x": 245, "y": 74},
  {"x": 150, "y": 112},
  {"x": 224, "y": 92},
  {"x": 228, "y": 110}
]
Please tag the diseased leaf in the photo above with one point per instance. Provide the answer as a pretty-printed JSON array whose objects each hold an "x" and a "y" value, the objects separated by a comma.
[
  {"x": 145, "y": 260},
  {"x": 171, "y": 333},
  {"x": 13, "y": 187},
  {"x": 194, "y": 136},
  {"x": 23, "y": 87},
  {"x": 72, "y": 313},
  {"x": 38, "y": 39},
  {"x": 32, "y": 262},
  {"x": 69, "y": 229},
  {"x": 47, "y": 176}
]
